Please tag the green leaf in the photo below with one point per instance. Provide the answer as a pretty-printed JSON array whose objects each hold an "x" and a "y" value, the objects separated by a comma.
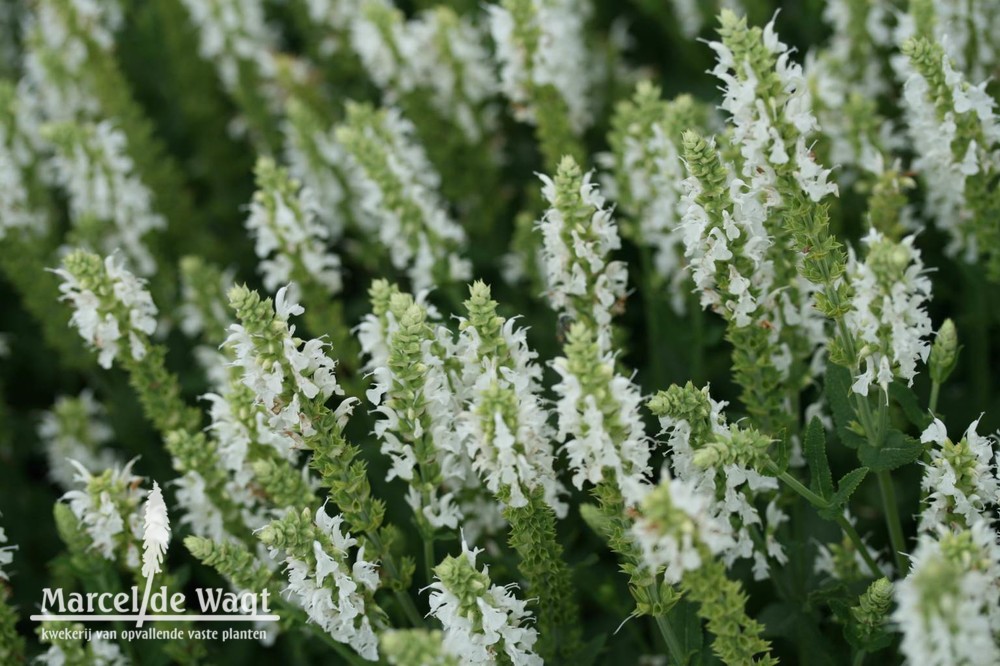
[
  {"x": 686, "y": 624},
  {"x": 820, "y": 479},
  {"x": 898, "y": 450},
  {"x": 845, "y": 488},
  {"x": 848, "y": 484},
  {"x": 838, "y": 394},
  {"x": 907, "y": 400}
]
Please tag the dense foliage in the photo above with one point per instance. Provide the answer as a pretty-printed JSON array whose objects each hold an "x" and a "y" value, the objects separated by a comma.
[{"x": 517, "y": 332}]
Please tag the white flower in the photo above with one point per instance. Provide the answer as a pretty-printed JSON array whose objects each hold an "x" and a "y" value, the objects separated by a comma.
[
  {"x": 106, "y": 653},
  {"x": 689, "y": 15},
  {"x": 733, "y": 489},
  {"x": 233, "y": 36},
  {"x": 317, "y": 159},
  {"x": 55, "y": 57},
  {"x": 653, "y": 173},
  {"x": 513, "y": 456},
  {"x": 580, "y": 279},
  {"x": 960, "y": 481},
  {"x": 100, "y": 511},
  {"x": 588, "y": 440},
  {"x": 18, "y": 153},
  {"x": 672, "y": 549},
  {"x": 287, "y": 238},
  {"x": 414, "y": 226},
  {"x": 331, "y": 592},
  {"x": 496, "y": 623},
  {"x": 129, "y": 309},
  {"x": 419, "y": 412},
  {"x": 304, "y": 369},
  {"x": 200, "y": 513},
  {"x": 93, "y": 164},
  {"x": 888, "y": 316},
  {"x": 75, "y": 428},
  {"x": 560, "y": 58},
  {"x": 948, "y": 607}
]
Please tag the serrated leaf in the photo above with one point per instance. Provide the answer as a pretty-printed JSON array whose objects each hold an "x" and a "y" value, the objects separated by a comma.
[
  {"x": 848, "y": 484},
  {"x": 820, "y": 478},
  {"x": 907, "y": 400},
  {"x": 898, "y": 450},
  {"x": 838, "y": 394}
]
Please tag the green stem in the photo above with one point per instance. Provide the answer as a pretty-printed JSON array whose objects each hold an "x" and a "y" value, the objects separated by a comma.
[
  {"x": 669, "y": 637},
  {"x": 935, "y": 391},
  {"x": 892, "y": 520},
  {"x": 844, "y": 524},
  {"x": 428, "y": 559},
  {"x": 855, "y": 538},
  {"x": 859, "y": 658},
  {"x": 798, "y": 487},
  {"x": 698, "y": 339}
]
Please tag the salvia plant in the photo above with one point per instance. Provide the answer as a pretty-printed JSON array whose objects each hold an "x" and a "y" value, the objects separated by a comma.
[{"x": 434, "y": 333}]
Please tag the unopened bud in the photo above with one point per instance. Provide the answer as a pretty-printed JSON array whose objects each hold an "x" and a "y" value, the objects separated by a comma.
[{"x": 944, "y": 352}]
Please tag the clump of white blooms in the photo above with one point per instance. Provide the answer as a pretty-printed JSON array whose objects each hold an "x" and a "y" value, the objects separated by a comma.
[
  {"x": 288, "y": 239},
  {"x": 718, "y": 460},
  {"x": 960, "y": 481},
  {"x": 505, "y": 424},
  {"x": 737, "y": 215},
  {"x": 56, "y": 55},
  {"x": 948, "y": 607},
  {"x": 648, "y": 178},
  {"x": 772, "y": 134},
  {"x": 108, "y": 203},
  {"x": 729, "y": 262},
  {"x": 414, "y": 394},
  {"x": 109, "y": 303},
  {"x": 541, "y": 43},
  {"x": 233, "y": 36},
  {"x": 599, "y": 423},
  {"x": 955, "y": 133},
  {"x": 300, "y": 367},
  {"x": 847, "y": 77},
  {"x": 381, "y": 40},
  {"x": 437, "y": 53},
  {"x": 967, "y": 30},
  {"x": 18, "y": 154},
  {"x": 76, "y": 428},
  {"x": 322, "y": 579},
  {"x": 452, "y": 63},
  {"x": 482, "y": 622},
  {"x": 336, "y": 17},
  {"x": 107, "y": 509},
  {"x": 317, "y": 159},
  {"x": 674, "y": 520},
  {"x": 397, "y": 191},
  {"x": 888, "y": 314},
  {"x": 578, "y": 235}
]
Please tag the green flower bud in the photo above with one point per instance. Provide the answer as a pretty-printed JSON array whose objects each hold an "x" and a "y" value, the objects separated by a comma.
[{"x": 944, "y": 352}]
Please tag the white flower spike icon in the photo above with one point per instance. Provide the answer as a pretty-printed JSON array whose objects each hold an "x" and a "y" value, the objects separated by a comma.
[{"x": 155, "y": 540}]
